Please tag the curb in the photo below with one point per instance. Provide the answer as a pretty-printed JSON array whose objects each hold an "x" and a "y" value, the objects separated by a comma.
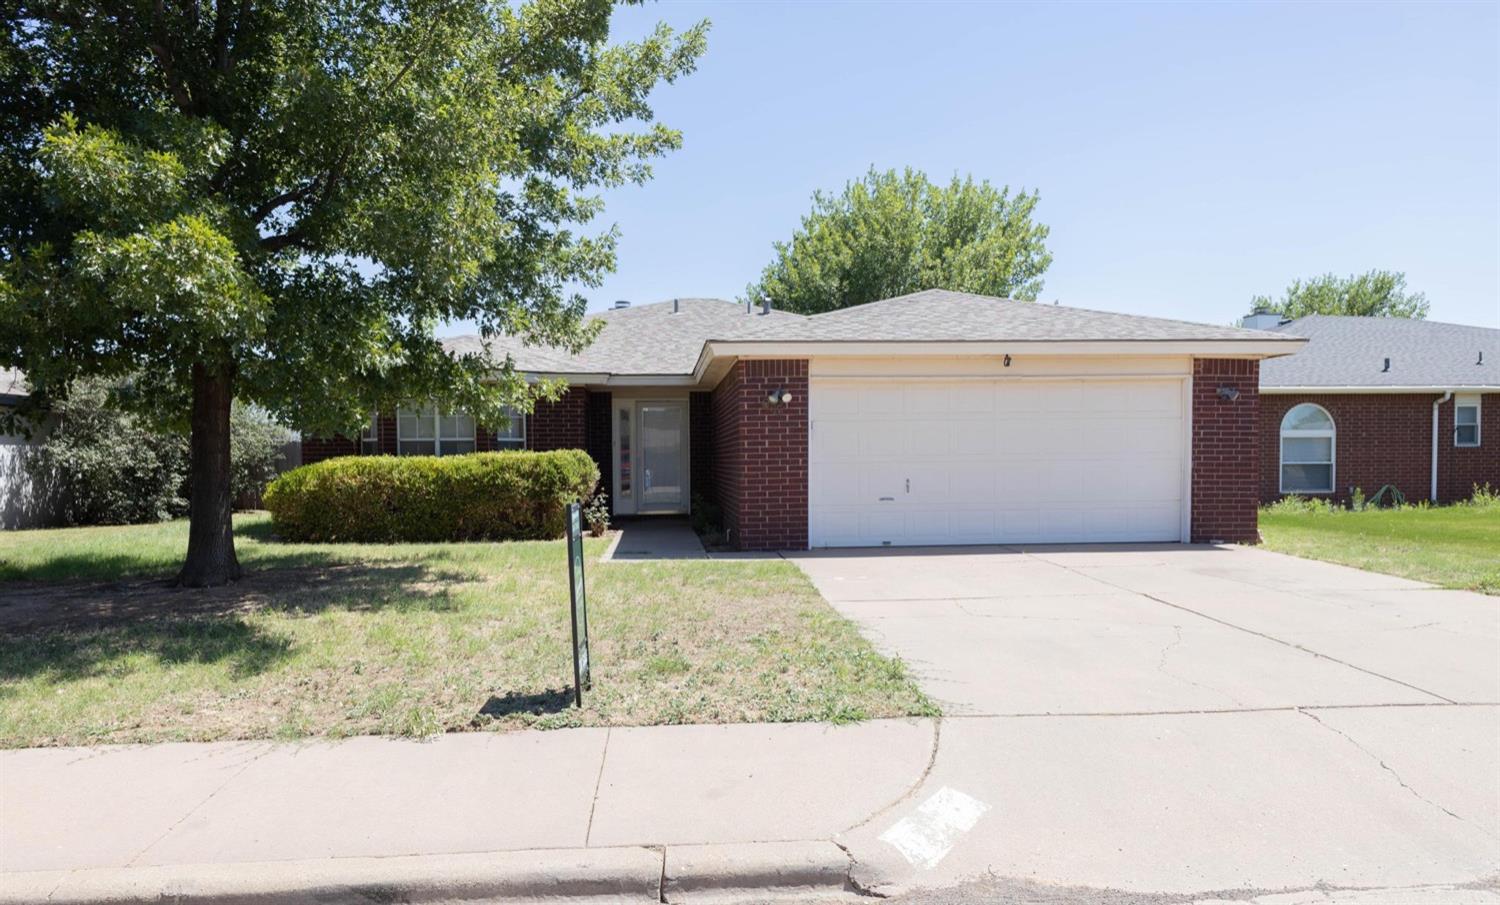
[
  {"x": 762, "y": 870},
  {"x": 614, "y": 875}
]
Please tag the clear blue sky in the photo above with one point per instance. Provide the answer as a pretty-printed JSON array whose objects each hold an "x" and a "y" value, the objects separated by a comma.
[{"x": 1188, "y": 156}]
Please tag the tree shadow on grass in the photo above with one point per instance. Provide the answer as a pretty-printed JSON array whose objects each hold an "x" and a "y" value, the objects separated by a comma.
[{"x": 79, "y": 629}]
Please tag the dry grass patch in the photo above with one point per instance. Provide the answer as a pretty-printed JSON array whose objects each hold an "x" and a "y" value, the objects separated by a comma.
[{"x": 409, "y": 639}]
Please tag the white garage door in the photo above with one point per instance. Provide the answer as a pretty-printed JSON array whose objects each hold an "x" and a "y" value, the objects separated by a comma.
[{"x": 995, "y": 461}]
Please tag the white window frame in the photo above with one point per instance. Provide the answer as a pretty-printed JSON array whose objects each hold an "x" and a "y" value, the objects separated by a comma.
[
  {"x": 438, "y": 438},
  {"x": 514, "y": 439},
  {"x": 1467, "y": 402},
  {"x": 1333, "y": 450},
  {"x": 369, "y": 436}
]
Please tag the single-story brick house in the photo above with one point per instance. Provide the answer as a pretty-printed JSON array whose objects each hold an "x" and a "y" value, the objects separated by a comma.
[
  {"x": 933, "y": 418},
  {"x": 1375, "y": 401}
]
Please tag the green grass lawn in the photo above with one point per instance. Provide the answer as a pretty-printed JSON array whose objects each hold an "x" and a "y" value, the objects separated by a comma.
[
  {"x": 409, "y": 639},
  {"x": 1452, "y": 546}
]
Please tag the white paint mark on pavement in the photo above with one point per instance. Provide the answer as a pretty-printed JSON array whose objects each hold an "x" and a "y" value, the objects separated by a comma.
[{"x": 927, "y": 835}]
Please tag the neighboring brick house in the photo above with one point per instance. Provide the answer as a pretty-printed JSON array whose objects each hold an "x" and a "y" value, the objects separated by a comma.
[
  {"x": 933, "y": 418},
  {"x": 1372, "y": 402}
]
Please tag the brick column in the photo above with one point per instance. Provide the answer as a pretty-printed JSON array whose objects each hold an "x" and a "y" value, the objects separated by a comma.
[
  {"x": 759, "y": 465},
  {"x": 1225, "y": 450}
]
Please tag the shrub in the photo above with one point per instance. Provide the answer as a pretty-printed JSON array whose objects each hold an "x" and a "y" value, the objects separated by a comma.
[
  {"x": 384, "y": 499},
  {"x": 101, "y": 466},
  {"x": 257, "y": 449}
]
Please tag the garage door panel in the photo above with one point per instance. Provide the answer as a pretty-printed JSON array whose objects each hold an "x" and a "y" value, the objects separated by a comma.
[
  {"x": 928, "y": 438},
  {"x": 882, "y": 440},
  {"x": 882, "y": 399},
  {"x": 987, "y": 461},
  {"x": 836, "y": 441}
]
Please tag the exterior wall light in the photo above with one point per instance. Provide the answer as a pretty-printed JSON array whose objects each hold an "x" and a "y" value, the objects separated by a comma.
[
  {"x": 1229, "y": 393},
  {"x": 1007, "y": 361},
  {"x": 779, "y": 397}
]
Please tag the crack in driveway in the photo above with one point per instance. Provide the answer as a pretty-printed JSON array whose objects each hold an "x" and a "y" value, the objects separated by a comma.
[{"x": 1391, "y": 770}]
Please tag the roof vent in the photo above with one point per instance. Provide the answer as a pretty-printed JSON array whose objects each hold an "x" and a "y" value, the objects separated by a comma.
[
  {"x": 1387, "y": 367},
  {"x": 765, "y": 305},
  {"x": 676, "y": 305},
  {"x": 1481, "y": 357},
  {"x": 621, "y": 303},
  {"x": 1261, "y": 319}
]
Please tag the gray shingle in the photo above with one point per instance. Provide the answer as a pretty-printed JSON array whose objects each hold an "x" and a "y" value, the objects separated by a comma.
[
  {"x": 655, "y": 340},
  {"x": 1351, "y": 352},
  {"x": 939, "y": 315},
  {"x": 641, "y": 340}
]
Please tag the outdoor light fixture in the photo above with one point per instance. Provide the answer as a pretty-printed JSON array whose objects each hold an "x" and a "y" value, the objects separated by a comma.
[
  {"x": 1007, "y": 361},
  {"x": 1229, "y": 393},
  {"x": 779, "y": 397}
]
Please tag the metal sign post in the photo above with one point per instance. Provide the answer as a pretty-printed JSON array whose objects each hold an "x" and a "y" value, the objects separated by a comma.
[{"x": 579, "y": 602}]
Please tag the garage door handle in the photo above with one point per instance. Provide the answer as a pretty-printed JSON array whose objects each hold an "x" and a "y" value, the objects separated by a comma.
[{"x": 887, "y": 499}]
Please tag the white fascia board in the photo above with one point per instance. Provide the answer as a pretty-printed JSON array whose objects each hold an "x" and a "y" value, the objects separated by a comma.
[
  {"x": 1351, "y": 390},
  {"x": 1228, "y": 348}
]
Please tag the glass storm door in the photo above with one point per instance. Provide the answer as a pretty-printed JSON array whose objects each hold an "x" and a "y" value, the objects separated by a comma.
[{"x": 662, "y": 473}]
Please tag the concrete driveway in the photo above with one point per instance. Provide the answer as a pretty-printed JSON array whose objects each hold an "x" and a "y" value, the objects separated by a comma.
[{"x": 1184, "y": 720}]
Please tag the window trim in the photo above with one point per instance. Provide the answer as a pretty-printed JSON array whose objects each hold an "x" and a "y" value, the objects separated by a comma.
[
  {"x": 1333, "y": 452},
  {"x": 370, "y": 445},
  {"x": 1469, "y": 402},
  {"x": 517, "y": 418},
  {"x": 437, "y": 438}
]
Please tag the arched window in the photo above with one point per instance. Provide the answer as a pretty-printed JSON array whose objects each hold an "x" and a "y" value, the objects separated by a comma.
[{"x": 1307, "y": 450}]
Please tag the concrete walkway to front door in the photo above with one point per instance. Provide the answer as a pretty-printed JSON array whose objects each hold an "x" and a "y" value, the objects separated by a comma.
[
  {"x": 650, "y": 537},
  {"x": 1181, "y": 719}
]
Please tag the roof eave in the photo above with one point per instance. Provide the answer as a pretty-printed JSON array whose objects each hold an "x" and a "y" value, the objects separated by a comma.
[{"x": 1272, "y": 390}]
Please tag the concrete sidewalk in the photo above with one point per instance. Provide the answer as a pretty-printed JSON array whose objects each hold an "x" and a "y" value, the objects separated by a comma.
[{"x": 624, "y": 814}]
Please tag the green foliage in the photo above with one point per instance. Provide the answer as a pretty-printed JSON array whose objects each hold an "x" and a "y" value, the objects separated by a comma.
[
  {"x": 103, "y": 465},
  {"x": 893, "y": 233},
  {"x": 1379, "y": 293},
  {"x": 1300, "y": 505},
  {"x": 386, "y": 499},
  {"x": 256, "y": 451},
  {"x": 596, "y": 512},
  {"x": 295, "y": 195},
  {"x": 1485, "y": 497}
]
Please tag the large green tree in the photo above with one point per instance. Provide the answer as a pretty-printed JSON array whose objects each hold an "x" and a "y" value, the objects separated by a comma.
[
  {"x": 279, "y": 201},
  {"x": 1379, "y": 293},
  {"x": 892, "y": 232}
]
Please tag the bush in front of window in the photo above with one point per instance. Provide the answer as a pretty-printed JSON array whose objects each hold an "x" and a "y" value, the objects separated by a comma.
[{"x": 386, "y": 499}]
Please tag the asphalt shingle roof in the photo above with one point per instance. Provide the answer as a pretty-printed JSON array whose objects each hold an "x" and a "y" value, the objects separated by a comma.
[
  {"x": 645, "y": 340},
  {"x": 939, "y": 315},
  {"x": 1351, "y": 352},
  {"x": 657, "y": 339}
]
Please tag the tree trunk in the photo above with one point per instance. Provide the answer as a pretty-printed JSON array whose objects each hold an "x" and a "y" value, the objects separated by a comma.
[{"x": 210, "y": 553}]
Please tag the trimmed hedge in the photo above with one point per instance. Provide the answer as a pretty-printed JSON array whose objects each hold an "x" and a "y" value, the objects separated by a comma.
[{"x": 384, "y": 499}]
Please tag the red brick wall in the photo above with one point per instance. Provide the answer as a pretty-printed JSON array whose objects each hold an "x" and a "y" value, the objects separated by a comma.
[
  {"x": 1386, "y": 438},
  {"x": 759, "y": 468},
  {"x": 1225, "y": 471},
  {"x": 559, "y": 425},
  {"x": 316, "y": 449},
  {"x": 1462, "y": 467}
]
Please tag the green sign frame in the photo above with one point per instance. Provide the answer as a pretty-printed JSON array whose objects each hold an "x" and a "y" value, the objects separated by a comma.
[{"x": 579, "y": 600}]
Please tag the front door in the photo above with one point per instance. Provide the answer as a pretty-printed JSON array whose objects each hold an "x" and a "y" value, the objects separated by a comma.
[{"x": 651, "y": 465}]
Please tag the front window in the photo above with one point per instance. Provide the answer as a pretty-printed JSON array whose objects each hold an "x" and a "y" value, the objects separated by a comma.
[
  {"x": 513, "y": 434},
  {"x": 1466, "y": 421},
  {"x": 1307, "y": 450},
  {"x": 369, "y": 436},
  {"x": 426, "y": 432}
]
